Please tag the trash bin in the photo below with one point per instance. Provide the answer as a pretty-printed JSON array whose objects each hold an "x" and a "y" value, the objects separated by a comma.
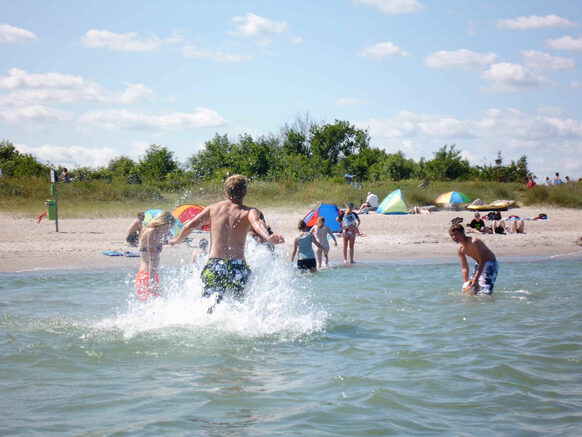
[{"x": 51, "y": 209}]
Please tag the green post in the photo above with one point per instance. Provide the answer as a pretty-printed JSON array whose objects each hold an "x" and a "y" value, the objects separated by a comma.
[{"x": 53, "y": 209}]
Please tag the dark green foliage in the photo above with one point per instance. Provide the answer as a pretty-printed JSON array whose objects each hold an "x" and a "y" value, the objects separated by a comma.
[
  {"x": 447, "y": 165},
  {"x": 16, "y": 164},
  {"x": 156, "y": 164}
]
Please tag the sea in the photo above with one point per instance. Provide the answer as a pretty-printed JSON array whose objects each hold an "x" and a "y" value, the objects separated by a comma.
[{"x": 377, "y": 348}]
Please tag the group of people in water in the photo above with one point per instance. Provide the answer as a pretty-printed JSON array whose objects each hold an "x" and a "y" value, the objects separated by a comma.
[{"x": 231, "y": 221}]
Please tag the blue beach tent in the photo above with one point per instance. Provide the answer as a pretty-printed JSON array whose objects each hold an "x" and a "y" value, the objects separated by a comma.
[
  {"x": 327, "y": 211},
  {"x": 393, "y": 203}
]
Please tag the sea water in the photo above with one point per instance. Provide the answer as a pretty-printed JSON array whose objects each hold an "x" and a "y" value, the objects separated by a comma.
[{"x": 380, "y": 348}]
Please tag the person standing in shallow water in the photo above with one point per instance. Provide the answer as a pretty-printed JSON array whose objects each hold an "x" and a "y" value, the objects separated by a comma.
[
  {"x": 147, "y": 282},
  {"x": 303, "y": 244},
  {"x": 321, "y": 231},
  {"x": 349, "y": 222},
  {"x": 230, "y": 220},
  {"x": 486, "y": 266}
]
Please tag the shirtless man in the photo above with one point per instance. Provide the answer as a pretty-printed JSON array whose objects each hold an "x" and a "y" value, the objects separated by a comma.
[
  {"x": 230, "y": 221},
  {"x": 134, "y": 230},
  {"x": 486, "y": 266}
]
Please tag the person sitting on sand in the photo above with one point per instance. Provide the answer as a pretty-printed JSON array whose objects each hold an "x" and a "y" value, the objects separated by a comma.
[
  {"x": 321, "y": 231},
  {"x": 147, "y": 282},
  {"x": 349, "y": 222},
  {"x": 479, "y": 225},
  {"x": 230, "y": 220},
  {"x": 136, "y": 226},
  {"x": 486, "y": 266},
  {"x": 303, "y": 244},
  {"x": 371, "y": 204}
]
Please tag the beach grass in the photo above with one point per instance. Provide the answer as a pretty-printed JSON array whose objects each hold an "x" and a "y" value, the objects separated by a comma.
[{"x": 26, "y": 196}]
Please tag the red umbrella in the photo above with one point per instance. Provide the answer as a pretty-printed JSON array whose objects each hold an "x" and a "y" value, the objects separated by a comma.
[{"x": 185, "y": 213}]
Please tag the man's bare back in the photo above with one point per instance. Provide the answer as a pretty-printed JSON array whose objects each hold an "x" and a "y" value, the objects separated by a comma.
[{"x": 230, "y": 220}]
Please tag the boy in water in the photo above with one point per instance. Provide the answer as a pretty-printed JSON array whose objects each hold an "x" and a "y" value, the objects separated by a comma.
[
  {"x": 230, "y": 221},
  {"x": 486, "y": 266},
  {"x": 321, "y": 231}
]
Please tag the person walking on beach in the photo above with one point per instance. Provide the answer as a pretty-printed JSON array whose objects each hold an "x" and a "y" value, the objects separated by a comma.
[
  {"x": 230, "y": 220},
  {"x": 147, "y": 282},
  {"x": 486, "y": 266},
  {"x": 349, "y": 222},
  {"x": 303, "y": 244},
  {"x": 136, "y": 226},
  {"x": 321, "y": 231}
]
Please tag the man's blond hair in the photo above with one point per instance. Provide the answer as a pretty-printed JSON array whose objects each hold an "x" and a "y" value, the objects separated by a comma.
[{"x": 235, "y": 187}]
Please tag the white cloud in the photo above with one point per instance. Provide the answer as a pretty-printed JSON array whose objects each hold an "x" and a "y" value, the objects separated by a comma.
[
  {"x": 512, "y": 77},
  {"x": 348, "y": 101},
  {"x": 539, "y": 61},
  {"x": 34, "y": 113},
  {"x": 190, "y": 51},
  {"x": 123, "y": 42},
  {"x": 542, "y": 136},
  {"x": 123, "y": 119},
  {"x": 381, "y": 50},
  {"x": 533, "y": 22},
  {"x": 297, "y": 40},
  {"x": 70, "y": 156},
  {"x": 459, "y": 58},
  {"x": 392, "y": 7},
  {"x": 31, "y": 89},
  {"x": 254, "y": 25},
  {"x": 565, "y": 43},
  {"x": 11, "y": 34}
]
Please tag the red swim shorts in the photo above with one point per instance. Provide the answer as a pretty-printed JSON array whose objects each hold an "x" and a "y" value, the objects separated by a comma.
[{"x": 142, "y": 285}]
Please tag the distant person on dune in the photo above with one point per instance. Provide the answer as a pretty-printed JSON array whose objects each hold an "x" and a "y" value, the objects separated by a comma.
[
  {"x": 486, "y": 266},
  {"x": 230, "y": 220}
]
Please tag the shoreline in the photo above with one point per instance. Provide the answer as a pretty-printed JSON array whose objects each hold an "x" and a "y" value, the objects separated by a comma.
[{"x": 28, "y": 247}]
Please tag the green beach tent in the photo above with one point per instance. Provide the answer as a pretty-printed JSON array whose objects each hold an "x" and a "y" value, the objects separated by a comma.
[{"x": 393, "y": 203}]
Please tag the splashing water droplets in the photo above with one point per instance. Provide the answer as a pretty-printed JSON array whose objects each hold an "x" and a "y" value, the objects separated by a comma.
[{"x": 277, "y": 302}]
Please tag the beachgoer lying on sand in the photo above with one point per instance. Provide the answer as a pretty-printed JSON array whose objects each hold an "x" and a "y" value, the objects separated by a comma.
[{"x": 517, "y": 226}]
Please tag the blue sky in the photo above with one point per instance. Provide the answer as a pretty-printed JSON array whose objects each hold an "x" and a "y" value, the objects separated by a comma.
[{"x": 84, "y": 82}]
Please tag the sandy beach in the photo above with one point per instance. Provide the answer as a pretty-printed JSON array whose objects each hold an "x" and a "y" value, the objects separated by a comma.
[{"x": 79, "y": 244}]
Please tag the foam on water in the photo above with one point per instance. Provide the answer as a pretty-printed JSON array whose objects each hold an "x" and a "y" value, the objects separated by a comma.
[{"x": 276, "y": 303}]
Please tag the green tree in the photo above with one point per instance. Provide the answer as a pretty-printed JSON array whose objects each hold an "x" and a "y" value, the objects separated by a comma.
[
  {"x": 213, "y": 160},
  {"x": 14, "y": 163},
  {"x": 447, "y": 164},
  {"x": 157, "y": 163},
  {"x": 332, "y": 142}
]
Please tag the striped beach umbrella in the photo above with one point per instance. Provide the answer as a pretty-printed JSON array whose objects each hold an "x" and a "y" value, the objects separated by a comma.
[{"x": 453, "y": 197}]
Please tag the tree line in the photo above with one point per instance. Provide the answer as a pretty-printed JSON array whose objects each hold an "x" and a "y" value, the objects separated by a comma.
[{"x": 301, "y": 152}]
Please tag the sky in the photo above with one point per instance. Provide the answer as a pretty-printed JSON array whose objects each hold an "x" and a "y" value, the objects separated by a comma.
[{"x": 84, "y": 82}]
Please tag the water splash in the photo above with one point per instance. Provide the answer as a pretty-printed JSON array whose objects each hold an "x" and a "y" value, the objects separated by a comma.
[{"x": 278, "y": 303}]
